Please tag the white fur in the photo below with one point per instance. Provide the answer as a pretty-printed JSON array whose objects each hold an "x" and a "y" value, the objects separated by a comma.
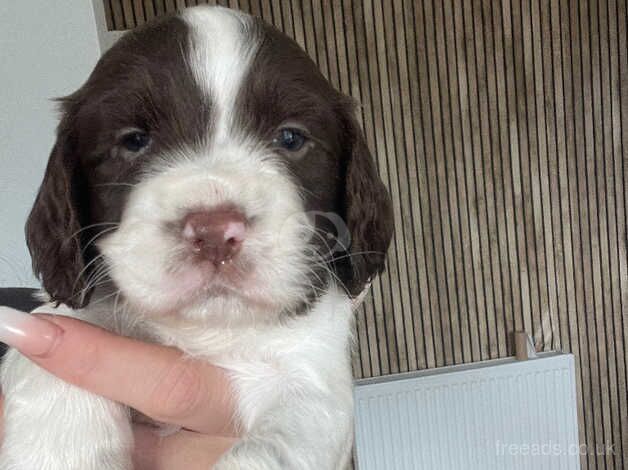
[
  {"x": 220, "y": 58},
  {"x": 291, "y": 374}
]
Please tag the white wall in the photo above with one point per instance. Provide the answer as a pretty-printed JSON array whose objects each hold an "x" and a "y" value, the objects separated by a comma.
[{"x": 47, "y": 49}]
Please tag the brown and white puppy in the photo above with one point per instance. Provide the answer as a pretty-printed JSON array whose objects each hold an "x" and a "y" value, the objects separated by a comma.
[{"x": 208, "y": 190}]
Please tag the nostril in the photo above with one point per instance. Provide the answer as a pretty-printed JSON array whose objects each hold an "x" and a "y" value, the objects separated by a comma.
[{"x": 197, "y": 244}]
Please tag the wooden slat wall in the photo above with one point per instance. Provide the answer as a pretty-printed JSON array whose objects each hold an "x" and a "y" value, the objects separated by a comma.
[{"x": 501, "y": 129}]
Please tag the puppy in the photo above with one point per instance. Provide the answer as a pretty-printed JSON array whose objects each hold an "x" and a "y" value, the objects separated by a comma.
[{"x": 208, "y": 190}]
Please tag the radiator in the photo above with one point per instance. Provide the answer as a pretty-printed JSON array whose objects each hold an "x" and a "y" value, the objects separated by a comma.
[{"x": 493, "y": 415}]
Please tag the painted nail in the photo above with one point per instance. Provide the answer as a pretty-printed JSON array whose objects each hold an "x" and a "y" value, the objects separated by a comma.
[{"x": 28, "y": 333}]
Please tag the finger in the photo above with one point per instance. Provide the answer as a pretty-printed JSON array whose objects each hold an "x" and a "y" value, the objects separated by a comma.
[
  {"x": 155, "y": 380},
  {"x": 185, "y": 449}
]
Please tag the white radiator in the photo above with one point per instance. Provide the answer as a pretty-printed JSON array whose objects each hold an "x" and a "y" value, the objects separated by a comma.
[{"x": 493, "y": 415}]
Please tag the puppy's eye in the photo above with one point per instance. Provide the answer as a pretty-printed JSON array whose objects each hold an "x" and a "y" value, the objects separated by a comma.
[
  {"x": 290, "y": 139},
  {"x": 135, "y": 141}
]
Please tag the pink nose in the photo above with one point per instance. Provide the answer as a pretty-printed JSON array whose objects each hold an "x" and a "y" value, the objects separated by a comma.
[{"x": 215, "y": 235}]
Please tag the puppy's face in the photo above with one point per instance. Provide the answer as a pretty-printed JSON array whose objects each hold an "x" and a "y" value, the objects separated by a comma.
[{"x": 206, "y": 164}]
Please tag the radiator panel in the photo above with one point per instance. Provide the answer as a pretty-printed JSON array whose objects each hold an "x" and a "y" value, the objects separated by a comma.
[{"x": 493, "y": 415}]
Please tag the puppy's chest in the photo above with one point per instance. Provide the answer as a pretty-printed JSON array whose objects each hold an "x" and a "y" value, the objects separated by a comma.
[
  {"x": 283, "y": 368},
  {"x": 307, "y": 351}
]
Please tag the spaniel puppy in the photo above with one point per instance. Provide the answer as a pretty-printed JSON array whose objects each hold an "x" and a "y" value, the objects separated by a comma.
[{"x": 211, "y": 191}]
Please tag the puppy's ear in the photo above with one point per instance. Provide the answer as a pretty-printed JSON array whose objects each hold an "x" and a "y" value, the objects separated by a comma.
[
  {"x": 53, "y": 228},
  {"x": 367, "y": 210}
]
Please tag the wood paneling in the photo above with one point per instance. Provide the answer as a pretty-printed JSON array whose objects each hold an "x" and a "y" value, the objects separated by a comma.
[{"x": 501, "y": 129}]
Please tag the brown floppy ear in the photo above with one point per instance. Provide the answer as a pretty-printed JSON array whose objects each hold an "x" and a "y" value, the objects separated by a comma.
[
  {"x": 53, "y": 228},
  {"x": 367, "y": 211}
]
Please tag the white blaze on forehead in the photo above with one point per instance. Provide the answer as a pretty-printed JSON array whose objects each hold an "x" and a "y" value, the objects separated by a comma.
[{"x": 220, "y": 55}]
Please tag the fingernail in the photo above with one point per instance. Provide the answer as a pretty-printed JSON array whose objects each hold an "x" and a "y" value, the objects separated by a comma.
[{"x": 28, "y": 333}]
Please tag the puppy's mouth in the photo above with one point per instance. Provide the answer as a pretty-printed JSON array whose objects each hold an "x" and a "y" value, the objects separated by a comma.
[
  {"x": 230, "y": 275},
  {"x": 192, "y": 281}
]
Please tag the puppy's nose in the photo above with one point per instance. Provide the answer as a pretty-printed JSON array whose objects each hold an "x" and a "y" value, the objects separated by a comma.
[{"x": 215, "y": 235}]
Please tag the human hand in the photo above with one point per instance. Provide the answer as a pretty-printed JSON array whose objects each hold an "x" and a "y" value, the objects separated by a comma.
[{"x": 156, "y": 380}]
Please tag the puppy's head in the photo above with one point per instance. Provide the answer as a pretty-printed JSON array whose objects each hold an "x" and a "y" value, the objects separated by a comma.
[{"x": 207, "y": 163}]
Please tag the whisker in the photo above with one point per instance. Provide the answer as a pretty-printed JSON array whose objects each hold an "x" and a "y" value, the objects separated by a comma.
[
  {"x": 95, "y": 277},
  {"x": 78, "y": 277},
  {"x": 99, "y": 224},
  {"x": 83, "y": 292},
  {"x": 102, "y": 299},
  {"x": 358, "y": 253},
  {"x": 99, "y": 234}
]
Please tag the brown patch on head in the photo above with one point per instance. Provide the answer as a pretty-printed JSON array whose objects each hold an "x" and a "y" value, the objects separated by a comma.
[
  {"x": 143, "y": 82},
  {"x": 338, "y": 175},
  {"x": 284, "y": 86}
]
